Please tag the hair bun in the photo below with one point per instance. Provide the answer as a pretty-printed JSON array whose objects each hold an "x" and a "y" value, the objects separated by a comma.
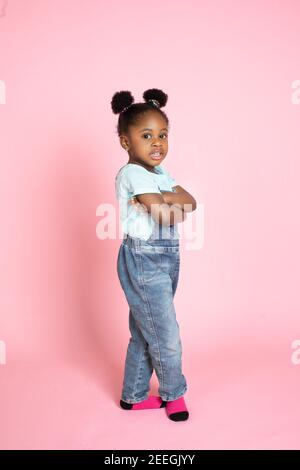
[
  {"x": 121, "y": 100},
  {"x": 157, "y": 95}
]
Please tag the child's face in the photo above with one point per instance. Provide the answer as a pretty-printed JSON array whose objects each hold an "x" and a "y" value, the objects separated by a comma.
[{"x": 150, "y": 135}]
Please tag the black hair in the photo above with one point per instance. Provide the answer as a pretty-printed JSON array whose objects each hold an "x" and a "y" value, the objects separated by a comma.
[{"x": 122, "y": 103}]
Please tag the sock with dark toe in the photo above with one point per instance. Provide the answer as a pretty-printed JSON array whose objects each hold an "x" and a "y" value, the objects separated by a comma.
[
  {"x": 177, "y": 410},
  {"x": 150, "y": 403}
]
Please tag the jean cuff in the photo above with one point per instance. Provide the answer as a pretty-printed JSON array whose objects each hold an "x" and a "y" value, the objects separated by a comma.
[
  {"x": 133, "y": 400},
  {"x": 174, "y": 397}
]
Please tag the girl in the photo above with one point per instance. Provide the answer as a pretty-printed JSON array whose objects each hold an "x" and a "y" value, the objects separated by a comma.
[{"x": 151, "y": 205}]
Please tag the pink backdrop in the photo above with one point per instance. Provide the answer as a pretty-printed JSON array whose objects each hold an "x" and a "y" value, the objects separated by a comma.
[{"x": 229, "y": 68}]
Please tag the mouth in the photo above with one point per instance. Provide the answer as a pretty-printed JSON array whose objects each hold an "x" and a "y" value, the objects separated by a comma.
[{"x": 157, "y": 155}]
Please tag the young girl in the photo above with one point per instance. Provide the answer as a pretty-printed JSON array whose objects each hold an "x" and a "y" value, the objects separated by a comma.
[{"x": 151, "y": 205}]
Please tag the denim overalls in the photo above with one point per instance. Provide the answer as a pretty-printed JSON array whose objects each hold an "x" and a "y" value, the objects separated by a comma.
[{"x": 148, "y": 271}]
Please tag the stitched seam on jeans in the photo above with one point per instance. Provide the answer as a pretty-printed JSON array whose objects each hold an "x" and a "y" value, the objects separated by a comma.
[
  {"x": 153, "y": 329},
  {"x": 175, "y": 271},
  {"x": 140, "y": 274},
  {"x": 138, "y": 373}
]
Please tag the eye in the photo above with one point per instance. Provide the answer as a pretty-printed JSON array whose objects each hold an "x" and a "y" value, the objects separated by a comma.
[{"x": 165, "y": 135}]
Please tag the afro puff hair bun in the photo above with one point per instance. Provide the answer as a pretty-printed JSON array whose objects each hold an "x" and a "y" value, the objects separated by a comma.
[
  {"x": 156, "y": 94},
  {"x": 121, "y": 100}
]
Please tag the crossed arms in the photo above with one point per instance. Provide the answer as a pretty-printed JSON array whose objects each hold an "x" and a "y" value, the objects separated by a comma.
[{"x": 167, "y": 208}]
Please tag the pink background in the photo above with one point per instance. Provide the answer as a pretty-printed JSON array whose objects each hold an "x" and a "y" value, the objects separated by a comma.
[{"x": 228, "y": 68}]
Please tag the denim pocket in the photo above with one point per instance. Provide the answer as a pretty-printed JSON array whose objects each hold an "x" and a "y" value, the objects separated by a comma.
[
  {"x": 170, "y": 262},
  {"x": 150, "y": 264}
]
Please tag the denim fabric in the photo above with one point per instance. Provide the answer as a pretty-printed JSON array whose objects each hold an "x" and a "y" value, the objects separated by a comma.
[{"x": 148, "y": 271}]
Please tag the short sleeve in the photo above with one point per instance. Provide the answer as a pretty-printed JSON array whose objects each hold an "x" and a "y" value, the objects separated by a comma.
[
  {"x": 140, "y": 181},
  {"x": 173, "y": 182}
]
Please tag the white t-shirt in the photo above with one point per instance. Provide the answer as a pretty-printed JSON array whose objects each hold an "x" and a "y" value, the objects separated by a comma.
[{"x": 133, "y": 179}]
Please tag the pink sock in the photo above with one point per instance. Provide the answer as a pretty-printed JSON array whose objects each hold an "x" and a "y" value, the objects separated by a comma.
[
  {"x": 150, "y": 403},
  {"x": 177, "y": 410}
]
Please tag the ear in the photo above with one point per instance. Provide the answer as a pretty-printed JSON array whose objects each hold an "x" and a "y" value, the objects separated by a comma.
[{"x": 124, "y": 142}]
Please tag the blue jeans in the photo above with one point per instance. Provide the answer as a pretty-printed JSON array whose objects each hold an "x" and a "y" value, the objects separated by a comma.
[{"x": 148, "y": 272}]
